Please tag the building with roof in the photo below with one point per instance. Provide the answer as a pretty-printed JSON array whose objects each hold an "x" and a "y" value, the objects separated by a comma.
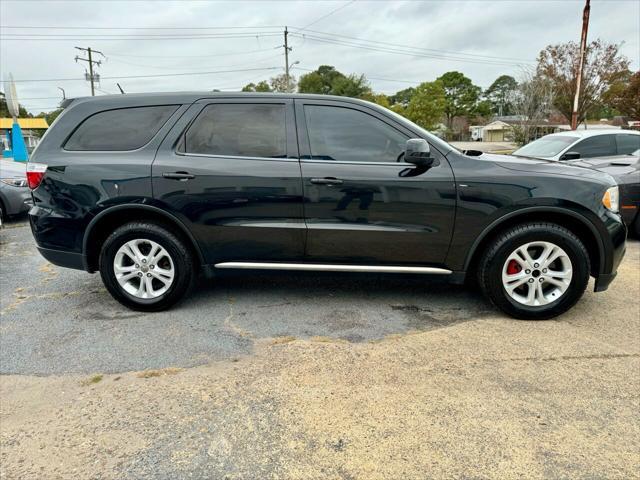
[{"x": 32, "y": 131}]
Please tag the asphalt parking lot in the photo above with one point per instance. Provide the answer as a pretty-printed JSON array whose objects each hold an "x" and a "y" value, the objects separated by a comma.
[{"x": 311, "y": 376}]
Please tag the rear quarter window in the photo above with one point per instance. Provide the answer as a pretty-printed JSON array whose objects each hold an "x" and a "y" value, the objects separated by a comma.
[{"x": 119, "y": 129}]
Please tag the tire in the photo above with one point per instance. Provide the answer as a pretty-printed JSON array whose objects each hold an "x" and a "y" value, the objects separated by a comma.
[
  {"x": 563, "y": 280},
  {"x": 636, "y": 227},
  {"x": 171, "y": 274}
]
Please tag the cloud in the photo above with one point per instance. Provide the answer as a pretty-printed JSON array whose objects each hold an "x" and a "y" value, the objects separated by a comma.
[{"x": 516, "y": 29}]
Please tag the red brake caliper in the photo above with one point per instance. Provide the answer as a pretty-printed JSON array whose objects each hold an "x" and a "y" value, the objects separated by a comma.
[{"x": 513, "y": 267}]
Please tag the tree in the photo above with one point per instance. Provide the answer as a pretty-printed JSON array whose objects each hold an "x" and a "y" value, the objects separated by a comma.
[
  {"x": 427, "y": 105},
  {"x": 281, "y": 84},
  {"x": 402, "y": 97},
  {"x": 461, "y": 96},
  {"x": 354, "y": 86},
  {"x": 320, "y": 80},
  {"x": 51, "y": 116},
  {"x": 500, "y": 94},
  {"x": 532, "y": 103},
  {"x": 329, "y": 81},
  {"x": 4, "y": 110},
  {"x": 378, "y": 98},
  {"x": 262, "y": 86},
  {"x": 603, "y": 67},
  {"x": 624, "y": 96}
]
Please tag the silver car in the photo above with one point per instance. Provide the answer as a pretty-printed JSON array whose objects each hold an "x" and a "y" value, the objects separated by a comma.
[
  {"x": 580, "y": 144},
  {"x": 15, "y": 197}
]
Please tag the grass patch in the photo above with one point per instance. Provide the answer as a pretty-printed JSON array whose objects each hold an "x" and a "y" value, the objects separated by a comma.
[
  {"x": 91, "y": 381},
  {"x": 281, "y": 340},
  {"x": 158, "y": 373}
]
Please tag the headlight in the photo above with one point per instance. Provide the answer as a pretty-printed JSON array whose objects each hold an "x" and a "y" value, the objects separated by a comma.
[
  {"x": 15, "y": 182},
  {"x": 611, "y": 199}
]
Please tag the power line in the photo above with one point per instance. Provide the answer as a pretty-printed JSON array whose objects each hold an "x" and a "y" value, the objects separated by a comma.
[
  {"x": 149, "y": 35},
  {"x": 145, "y": 76},
  {"x": 327, "y": 15},
  {"x": 58, "y": 27},
  {"x": 164, "y": 67},
  {"x": 406, "y": 52},
  {"x": 247, "y": 52},
  {"x": 422, "y": 49},
  {"x": 48, "y": 38}
]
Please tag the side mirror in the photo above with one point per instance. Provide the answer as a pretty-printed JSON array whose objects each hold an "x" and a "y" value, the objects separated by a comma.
[
  {"x": 570, "y": 156},
  {"x": 418, "y": 152}
]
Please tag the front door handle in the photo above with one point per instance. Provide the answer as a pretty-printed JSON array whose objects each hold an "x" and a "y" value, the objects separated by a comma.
[
  {"x": 178, "y": 175},
  {"x": 326, "y": 181}
]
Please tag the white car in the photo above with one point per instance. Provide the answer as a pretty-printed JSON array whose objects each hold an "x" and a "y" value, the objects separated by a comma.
[{"x": 578, "y": 144}]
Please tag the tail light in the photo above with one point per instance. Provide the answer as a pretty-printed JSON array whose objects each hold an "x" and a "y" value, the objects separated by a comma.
[{"x": 35, "y": 174}]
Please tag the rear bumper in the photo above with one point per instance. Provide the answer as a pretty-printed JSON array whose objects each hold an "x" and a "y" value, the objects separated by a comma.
[
  {"x": 63, "y": 259},
  {"x": 615, "y": 247}
]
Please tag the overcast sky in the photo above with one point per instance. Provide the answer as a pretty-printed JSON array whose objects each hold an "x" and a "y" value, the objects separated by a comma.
[{"x": 482, "y": 39}]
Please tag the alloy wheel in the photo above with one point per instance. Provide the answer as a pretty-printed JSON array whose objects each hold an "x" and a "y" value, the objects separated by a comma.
[
  {"x": 143, "y": 268},
  {"x": 537, "y": 273}
]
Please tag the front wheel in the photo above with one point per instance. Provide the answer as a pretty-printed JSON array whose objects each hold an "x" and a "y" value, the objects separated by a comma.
[
  {"x": 535, "y": 271},
  {"x": 146, "y": 267}
]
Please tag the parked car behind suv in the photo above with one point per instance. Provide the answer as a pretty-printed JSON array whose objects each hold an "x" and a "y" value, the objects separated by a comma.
[
  {"x": 15, "y": 198},
  {"x": 151, "y": 189},
  {"x": 581, "y": 144}
]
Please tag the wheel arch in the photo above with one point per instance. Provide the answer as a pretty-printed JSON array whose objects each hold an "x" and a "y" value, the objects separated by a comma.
[
  {"x": 577, "y": 223},
  {"x": 107, "y": 220}
]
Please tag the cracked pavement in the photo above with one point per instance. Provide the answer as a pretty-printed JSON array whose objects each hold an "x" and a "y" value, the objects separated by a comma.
[{"x": 283, "y": 375}]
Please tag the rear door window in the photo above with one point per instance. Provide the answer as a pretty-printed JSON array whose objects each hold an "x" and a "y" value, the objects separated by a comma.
[
  {"x": 120, "y": 129},
  {"x": 599, "y": 146},
  {"x": 627, "y": 143},
  {"x": 238, "y": 130}
]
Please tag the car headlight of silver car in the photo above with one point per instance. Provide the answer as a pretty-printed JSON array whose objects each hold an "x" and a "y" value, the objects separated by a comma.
[
  {"x": 611, "y": 199},
  {"x": 15, "y": 182}
]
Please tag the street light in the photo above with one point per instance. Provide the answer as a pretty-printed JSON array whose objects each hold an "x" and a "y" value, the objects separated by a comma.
[{"x": 297, "y": 62}]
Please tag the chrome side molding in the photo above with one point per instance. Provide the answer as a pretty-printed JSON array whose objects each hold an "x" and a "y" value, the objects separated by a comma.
[{"x": 332, "y": 268}]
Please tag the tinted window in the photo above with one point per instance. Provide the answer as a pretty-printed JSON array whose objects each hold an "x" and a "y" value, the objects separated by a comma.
[
  {"x": 345, "y": 134},
  {"x": 627, "y": 143},
  {"x": 600, "y": 146},
  {"x": 242, "y": 130},
  {"x": 121, "y": 129}
]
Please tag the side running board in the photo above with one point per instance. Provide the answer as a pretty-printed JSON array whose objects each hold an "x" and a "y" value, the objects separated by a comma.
[{"x": 332, "y": 268}]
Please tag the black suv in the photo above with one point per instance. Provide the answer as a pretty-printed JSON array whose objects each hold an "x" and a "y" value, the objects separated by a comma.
[{"x": 152, "y": 189}]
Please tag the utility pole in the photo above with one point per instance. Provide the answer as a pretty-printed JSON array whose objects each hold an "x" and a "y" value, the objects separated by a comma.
[
  {"x": 583, "y": 48},
  {"x": 90, "y": 61},
  {"x": 287, "y": 49}
]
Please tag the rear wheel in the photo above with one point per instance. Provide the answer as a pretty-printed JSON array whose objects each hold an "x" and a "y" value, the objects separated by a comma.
[
  {"x": 146, "y": 267},
  {"x": 535, "y": 271}
]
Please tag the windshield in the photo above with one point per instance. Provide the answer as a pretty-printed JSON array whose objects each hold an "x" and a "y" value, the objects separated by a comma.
[{"x": 546, "y": 147}]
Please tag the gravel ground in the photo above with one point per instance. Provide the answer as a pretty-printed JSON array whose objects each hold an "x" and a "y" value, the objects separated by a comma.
[{"x": 311, "y": 376}]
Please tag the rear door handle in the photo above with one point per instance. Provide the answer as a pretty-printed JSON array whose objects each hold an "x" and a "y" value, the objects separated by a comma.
[
  {"x": 326, "y": 181},
  {"x": 178, "y": 175}
]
